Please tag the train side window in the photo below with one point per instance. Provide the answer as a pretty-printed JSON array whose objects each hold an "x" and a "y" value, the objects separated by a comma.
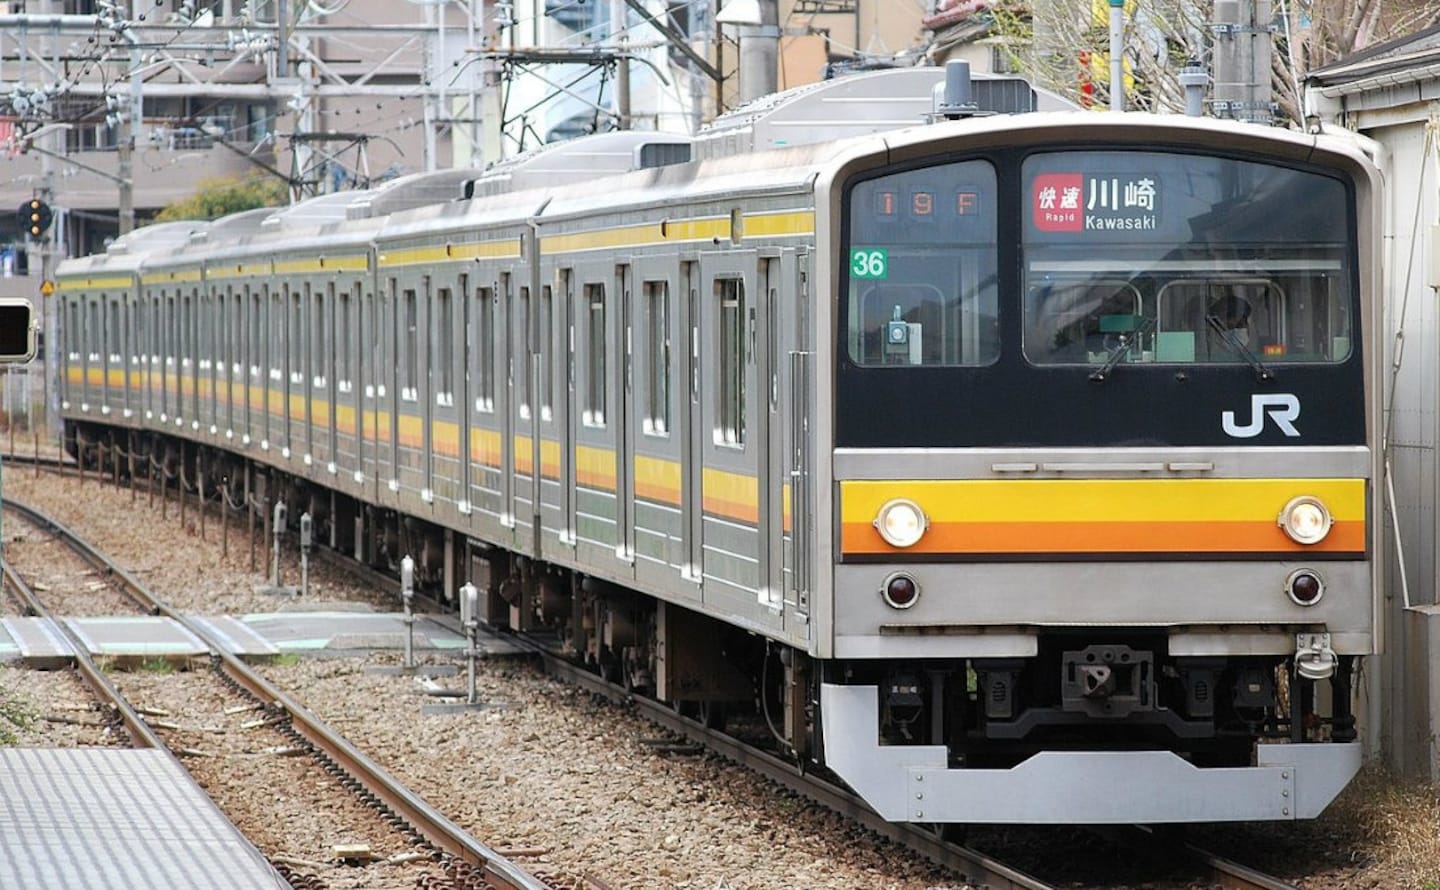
[
  {"x": 344, "y": 380},
  {"x": 520, "y": 357},
  {"x": 409, "y": 388},
  {"x": 545, "y": 348},
  {"x": 442, "y": 348},
  {"x": 657, "y": 323},
  {"x": 594, "y": 412},
  {"x": 730, "y": 413},
  {"x": 484, "y": 345},
  {"x": 320, "y": 366}
]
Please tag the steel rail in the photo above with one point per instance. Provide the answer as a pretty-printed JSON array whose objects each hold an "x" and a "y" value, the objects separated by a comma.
[
  {"x": 436, "y": 828},
  {"x": 1223, "y": 872},
  {"x": 975, "y": 867},
  {"x": 141, "y": 735}
]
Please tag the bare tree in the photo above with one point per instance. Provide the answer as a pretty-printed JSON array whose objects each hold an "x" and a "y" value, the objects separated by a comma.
[{"x": 1063, "y": 45}]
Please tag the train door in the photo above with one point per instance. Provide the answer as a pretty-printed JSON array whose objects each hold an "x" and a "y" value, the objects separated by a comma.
[
  {"x": 514, "y": 359},
  {"x": 655, "y": 442},
  {"x": 337, "y": 338},
  {"x": 310, "y": 361},
  {"x": 388, "y": 391},
  {"x": 735, "y": 437},
  {"x": 624, "y": 396},
  {"x": 521, "y": 505},
  {"x": 691, "y": 424},
  {"x": 134, "y": 355},
  {"x": 795, "y": 394},
  {"x": 774, "y": 273},
  {"x": 430, "y": 377},
  {"x": 114, "y": 363},
  {"x": 488, "y": 453},
  {"x": 460, "y": 396},
  {"x": 564, "y": 410},
  {"x": 552, "y": 413},
  {"x": 443, "y": 454},
  {"x": 599, "y": 492}
]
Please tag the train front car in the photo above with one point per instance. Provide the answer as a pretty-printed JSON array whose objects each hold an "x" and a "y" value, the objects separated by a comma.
[{"x": 1105, "y": 439}]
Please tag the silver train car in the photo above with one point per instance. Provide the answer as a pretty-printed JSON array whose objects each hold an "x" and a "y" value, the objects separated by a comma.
[{"x": 1016, "y": 467}]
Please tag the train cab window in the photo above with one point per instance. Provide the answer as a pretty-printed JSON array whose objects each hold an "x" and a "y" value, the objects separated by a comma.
[
  {"x": 1145, "y": 257},
  {"x": 921, "y": 262}
]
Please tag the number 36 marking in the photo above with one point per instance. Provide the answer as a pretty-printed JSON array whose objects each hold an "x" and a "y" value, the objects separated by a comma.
[{"x": 869, "y": 263}]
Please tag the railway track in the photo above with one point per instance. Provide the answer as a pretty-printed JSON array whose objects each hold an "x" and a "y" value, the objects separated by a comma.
[
  {"x": 473, "y": 863},
  {"x": 972, "y": 865}
]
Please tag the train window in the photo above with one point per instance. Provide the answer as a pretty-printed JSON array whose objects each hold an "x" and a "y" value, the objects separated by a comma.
[
  {"x": 485, "y": 350},
  {"x": 594, "y": 410},
  {"x": 545, "y": 347},
  {"x": 442, "y": 347},
  {"x": 921, "y": 271},
  {"x": 296, "y": 338},
  {"x": 257, "y": 342},
  {"x": 520, "y": 356},
  {"x": 657, "y": 354},
  {"x": 730, "y": 414},
  {"x": 321, "y": 361},
  {"x": 112, "y": 333},
  {"x": 409, "y": 386},
  {"x": 344, "y": 376},
  {"x": 1150, "y": 257}
]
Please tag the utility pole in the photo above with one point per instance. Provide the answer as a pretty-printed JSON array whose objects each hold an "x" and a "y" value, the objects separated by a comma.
[
  {"x": 1242, "y": 60},
  {"x": 619, "y": 38}
]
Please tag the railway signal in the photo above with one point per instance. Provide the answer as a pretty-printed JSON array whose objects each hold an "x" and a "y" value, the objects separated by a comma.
[{"x": 34, "y": 217}]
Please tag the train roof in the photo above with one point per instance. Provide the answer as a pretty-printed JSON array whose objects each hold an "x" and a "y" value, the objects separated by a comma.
[{"x": 859, "y": 105}]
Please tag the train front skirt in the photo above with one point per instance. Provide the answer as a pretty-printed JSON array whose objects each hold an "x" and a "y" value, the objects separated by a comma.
[{"x": 911, "y": 783}]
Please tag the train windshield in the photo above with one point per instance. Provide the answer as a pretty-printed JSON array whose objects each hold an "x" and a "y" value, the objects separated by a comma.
[
  {"x": 1143, "y": 257},
  {"x": 922, "y": 268}
]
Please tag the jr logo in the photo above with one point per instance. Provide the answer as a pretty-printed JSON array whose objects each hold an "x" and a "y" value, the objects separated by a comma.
[{"x": 1282, "y": 407}]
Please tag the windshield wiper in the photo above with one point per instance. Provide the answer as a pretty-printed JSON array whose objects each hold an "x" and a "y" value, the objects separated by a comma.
[
  {"x": 1118, "y": 351},
  {"x": 1240, "y": 349}
]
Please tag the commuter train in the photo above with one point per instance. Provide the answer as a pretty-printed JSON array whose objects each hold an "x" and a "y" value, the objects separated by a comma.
[{"x": 1016, "y": 464}]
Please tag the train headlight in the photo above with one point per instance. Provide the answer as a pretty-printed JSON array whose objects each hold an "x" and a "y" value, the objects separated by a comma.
[
  {"x": 900, "y": 591},
  {"x": 901, "y": 522},
  {"x": 1306, "y": 520}
]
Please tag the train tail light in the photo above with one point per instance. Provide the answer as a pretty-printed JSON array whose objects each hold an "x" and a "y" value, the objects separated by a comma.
[
  {"x": 1305, "y": 587},
  {"x": 900, "y": 591}
]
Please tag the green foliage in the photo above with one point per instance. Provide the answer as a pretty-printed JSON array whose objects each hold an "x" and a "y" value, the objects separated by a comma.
[
  {"x": 14, "y": 714},
  {"x": 220, "y": 197}
]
